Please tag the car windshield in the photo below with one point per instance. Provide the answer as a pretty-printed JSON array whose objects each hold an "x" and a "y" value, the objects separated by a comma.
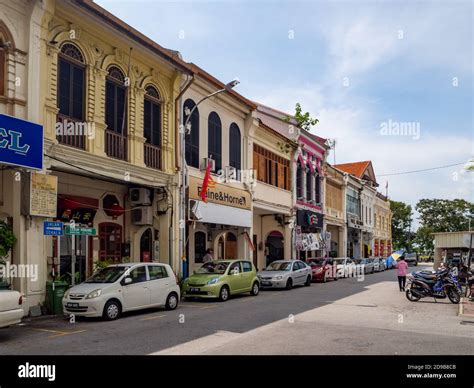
[
  {"x": 316, "y": 262},
  {"x": 214, "y": 267},
  {"x": 107, "y": 275},
  {"x": 279, "y": 266}
]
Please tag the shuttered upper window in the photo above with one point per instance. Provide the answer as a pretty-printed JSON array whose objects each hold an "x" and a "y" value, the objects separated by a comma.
[{"x": 271, "y": 168}]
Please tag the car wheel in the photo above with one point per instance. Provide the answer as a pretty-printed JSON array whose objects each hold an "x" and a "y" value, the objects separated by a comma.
[
  {"x": 255, "y": 289},
  {"x": 289, "y": 284},
  {"x": 308, "y": 281},
  {"x": 171, "y": 301},
  {"x": 112, "y": 310},
  {"x": 224, "y": 294}
]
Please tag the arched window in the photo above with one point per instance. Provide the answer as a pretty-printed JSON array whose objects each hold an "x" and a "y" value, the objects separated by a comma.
[
  {"x": 152, "y": 127},
  {"x": 235, "y": 146},
  {"x": 309, "y": 184},
  {"x": 299, "y": 180},
  {"x": 192, "y": 140},
  {"x": 7, "y": 45},
  {"x": 115, "y": 101},
  {"x": 3, "y": 67},
  {"x": 152, "y": 117},
  {"x": 71, "y": 94},
  {"x": 115, "y": 114},
  {"x": 215, "y": 139},
  {"x": 71, "y": 85}
]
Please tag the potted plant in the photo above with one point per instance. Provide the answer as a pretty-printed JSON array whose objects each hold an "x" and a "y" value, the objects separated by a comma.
[{"x": 7, "y": 240}]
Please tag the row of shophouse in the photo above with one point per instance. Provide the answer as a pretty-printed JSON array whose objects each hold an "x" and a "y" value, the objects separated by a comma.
[{"x": 71, "y": 66}]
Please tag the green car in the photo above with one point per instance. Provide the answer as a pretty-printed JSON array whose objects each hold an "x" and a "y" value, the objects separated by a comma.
[{"x": 221, "y": 279}]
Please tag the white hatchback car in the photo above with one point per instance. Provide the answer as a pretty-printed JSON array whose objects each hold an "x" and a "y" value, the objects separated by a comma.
[{"x": 123, "y": 287}]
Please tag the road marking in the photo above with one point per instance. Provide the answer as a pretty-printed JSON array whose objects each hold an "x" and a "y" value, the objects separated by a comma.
[
  {"x": 153, "y": 317},
  {"x": 207, "y": 307},
  {"x": 58, "y": 333}
]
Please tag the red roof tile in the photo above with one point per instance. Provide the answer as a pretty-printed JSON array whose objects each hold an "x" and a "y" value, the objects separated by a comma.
[{"x": 357, "y": 168}]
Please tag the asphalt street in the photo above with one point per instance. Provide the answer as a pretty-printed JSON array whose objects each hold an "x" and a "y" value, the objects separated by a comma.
[{"x": 339, "y": 317}]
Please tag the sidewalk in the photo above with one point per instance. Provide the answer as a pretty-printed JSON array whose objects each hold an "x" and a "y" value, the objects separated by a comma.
[{"x": 466, "y": 308}]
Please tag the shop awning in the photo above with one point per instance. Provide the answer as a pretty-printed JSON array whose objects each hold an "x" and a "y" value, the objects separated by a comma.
[{"x": 218, "y": 214}]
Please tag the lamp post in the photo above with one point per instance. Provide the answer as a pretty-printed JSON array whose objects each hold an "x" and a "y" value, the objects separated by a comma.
[
  {"x": 469, "y": 166},
  {"x": 185, "y": 129}
]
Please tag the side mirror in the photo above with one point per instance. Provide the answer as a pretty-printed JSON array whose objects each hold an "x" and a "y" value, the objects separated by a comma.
[{"x": 126, "y": 281}]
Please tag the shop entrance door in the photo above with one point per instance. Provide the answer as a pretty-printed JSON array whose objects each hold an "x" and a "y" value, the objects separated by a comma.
[
  {"x": 274, "y": 247},
  {"x": 230, "y": 246},
  {"x": 146, "y": 246}
]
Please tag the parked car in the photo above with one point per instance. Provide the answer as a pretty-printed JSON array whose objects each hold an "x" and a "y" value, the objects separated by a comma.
[
  {"x": 375, "y": 263},
  {"x": 345, "y": 266},
  {"x": 322, "y": 269},
  {"x": 285, "y": 274},
  {"x": 123, "y": 287},
  {"x": 367, "y": 265},
  {"x": 380, "y": 264},
  {"x": 11, "y": 311},
  {"x": 221, "y": 279},
  {"x": 411, "y": 258}
]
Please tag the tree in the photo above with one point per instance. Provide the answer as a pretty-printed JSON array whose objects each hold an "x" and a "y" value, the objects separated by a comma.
[
  {"x": 441, "y": 215},
  {"x": 303, "y": 120},
  {"x": 444, "y": 215},
  {"x": 402, "y": 217},
  {"x": 423, "y": 240}
]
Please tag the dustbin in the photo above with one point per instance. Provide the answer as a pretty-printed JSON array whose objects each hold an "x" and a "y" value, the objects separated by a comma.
[{"x": 54, "y": 297}]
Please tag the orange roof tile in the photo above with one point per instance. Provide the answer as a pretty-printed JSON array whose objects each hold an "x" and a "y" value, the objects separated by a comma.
[{"x": 357, "y": 168}]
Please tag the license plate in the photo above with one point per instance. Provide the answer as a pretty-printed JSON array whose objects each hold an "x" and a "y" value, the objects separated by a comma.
[
  {"x": 194, "y": 289},
  {"x": 72, "y": 305},
  {"x": 266, "y": 283}
]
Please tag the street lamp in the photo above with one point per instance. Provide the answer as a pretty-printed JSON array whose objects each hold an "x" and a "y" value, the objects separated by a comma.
[{"x": 186, "y": 130}]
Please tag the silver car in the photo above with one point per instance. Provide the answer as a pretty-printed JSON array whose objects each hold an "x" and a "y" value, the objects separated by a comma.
[{"x": 285, "y": 274}]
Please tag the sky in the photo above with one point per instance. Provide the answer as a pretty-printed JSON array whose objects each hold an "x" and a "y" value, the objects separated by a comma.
[{"x": 390, "y": 81}]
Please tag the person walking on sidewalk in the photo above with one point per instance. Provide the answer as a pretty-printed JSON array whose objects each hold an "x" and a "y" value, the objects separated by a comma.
[{"x": 402, "y": 267}]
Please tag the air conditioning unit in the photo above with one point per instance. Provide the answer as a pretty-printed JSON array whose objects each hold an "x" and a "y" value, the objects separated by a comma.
[
  {"x": 140, "y": 196},
  {"x": 230, "y": 173},
  {"x": 205, "y": 162},
  {"x": 142, "y": 215}
]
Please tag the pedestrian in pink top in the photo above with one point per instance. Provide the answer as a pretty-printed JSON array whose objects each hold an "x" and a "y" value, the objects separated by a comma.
[{"x": 402, "y": 267}]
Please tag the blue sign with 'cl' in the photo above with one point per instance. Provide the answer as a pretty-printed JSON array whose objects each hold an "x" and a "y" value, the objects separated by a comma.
[
  {"x": 21, "y": 142},
  {"x": 53, "y": 228}
]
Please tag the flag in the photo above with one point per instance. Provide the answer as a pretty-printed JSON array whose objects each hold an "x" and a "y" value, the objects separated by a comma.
[{"x": 207, "y": 182}]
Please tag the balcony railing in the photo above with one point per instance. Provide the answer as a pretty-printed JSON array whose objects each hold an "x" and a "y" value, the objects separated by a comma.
[
  {"x": 115, "y": 145},
  {"x": 152, "y": 156},
  {"x": 71, "y": 132}
]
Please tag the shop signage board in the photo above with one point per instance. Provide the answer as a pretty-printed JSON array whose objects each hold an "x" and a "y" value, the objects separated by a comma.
[
  {"x": 221, "y": 194},
  {"x": 80, "y": 230},
  {"x": 310, "y": 242},
  {"x": 21, "y": 143},
  {"x": 52, "y": 228},
  {"x": 43, "y": 195}
]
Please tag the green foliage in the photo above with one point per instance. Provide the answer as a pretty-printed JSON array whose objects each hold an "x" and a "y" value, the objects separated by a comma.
[
  {"x": 402, "y": 217},
  {"x": 7, "y": 240},
  {"x": 441, "y": 215},
  {"x": 303, "y": 120}
]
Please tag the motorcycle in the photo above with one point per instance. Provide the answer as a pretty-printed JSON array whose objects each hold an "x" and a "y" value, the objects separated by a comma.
[{"x": 438, "y": 285}]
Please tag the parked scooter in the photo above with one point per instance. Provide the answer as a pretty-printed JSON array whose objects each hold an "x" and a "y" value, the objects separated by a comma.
[{"x": 438, "y": 285}]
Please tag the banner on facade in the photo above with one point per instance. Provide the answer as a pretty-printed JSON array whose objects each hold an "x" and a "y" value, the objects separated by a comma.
[
  {"x": 310, "y": 242},
  {"x": 220, "y": 194},
  {"x": 43, "y": 195},
  {"x": 21, "y": 142}
]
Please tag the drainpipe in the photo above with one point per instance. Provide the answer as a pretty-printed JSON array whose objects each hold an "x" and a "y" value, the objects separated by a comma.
[{"x": 179, "y": 140}]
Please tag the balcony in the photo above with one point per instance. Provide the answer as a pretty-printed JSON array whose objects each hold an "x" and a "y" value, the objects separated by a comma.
[
  {"x": 152, "y": 156},
  {"x": 115, "y": 145},
  {"x": 71, "y": 132}
]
